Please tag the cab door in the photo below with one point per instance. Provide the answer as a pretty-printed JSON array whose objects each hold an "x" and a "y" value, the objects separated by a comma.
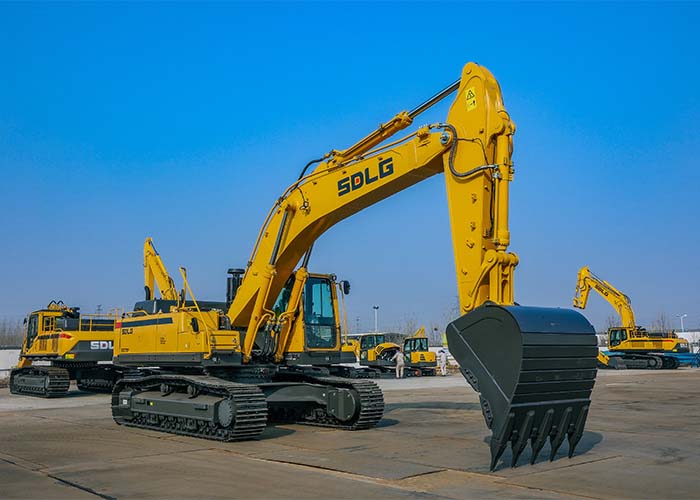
[
  {"x": 320, "y": 325},
  {"x": 32, "y": 330},
  {"x": 614, "y": 338}
]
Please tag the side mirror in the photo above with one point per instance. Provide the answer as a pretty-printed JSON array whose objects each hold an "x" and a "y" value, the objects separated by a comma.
[
  {"x": 25, "y": 321},
  {"x": 345, "y": 286}
]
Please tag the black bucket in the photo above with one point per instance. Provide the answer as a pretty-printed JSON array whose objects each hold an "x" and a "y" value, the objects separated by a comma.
[{"x": 534, "y": 369}]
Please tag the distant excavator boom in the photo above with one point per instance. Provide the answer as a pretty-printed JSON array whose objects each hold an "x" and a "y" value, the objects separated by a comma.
[{"x": 155, "y": 273}]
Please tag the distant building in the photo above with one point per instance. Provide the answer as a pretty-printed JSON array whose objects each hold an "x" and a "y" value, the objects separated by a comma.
[{"x": 693, "y": 337}]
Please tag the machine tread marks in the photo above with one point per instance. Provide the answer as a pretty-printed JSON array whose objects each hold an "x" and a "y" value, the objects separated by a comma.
[
  {"x": 371, "y": 408},
  {"x": 40, "y": 381},
  {"x": 250, "y": 408}
]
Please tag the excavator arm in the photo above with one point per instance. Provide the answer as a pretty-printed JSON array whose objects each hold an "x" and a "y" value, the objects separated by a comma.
[
  {"x": 588, "y": 281},
  {"x": 154, "y": 272},
  {"x": 473, "y": 148}
]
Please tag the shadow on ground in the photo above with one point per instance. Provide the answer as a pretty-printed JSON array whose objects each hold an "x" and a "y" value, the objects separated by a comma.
[
  {"x": 274, "y": 432},
  {"x": 589, "y": 440},
  {"x": 387, "y": 422}
]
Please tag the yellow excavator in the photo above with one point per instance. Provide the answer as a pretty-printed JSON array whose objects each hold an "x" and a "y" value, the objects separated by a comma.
[
  {"x": 61, "y": 345},
  {"x": 74, "y": 346},
  {"x": 68, "y": 345},
  {"x": 374, "y": 351},
  {"x": 224, "y": 374},
  {"x": 629, "y": 345},
  {"x": 419, "y": 358}
]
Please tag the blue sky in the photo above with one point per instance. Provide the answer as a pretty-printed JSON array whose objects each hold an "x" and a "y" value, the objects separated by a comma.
[{"x": 185, "y": 122}]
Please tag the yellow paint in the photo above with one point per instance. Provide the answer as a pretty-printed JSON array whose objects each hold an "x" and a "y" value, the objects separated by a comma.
[{"x": 470, "y": 96}]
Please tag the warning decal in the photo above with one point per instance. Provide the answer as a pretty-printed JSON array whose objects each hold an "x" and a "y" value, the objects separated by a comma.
[{"x": 471, "y": 99}]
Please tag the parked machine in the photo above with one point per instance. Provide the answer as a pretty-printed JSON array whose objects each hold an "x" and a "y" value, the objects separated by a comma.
[
  {"x": 629, "y": 345},
  {"x": 419, "y": 358},
  {"x": 223, "y": 375},
  {"x": 61, "y": 345},
  {"x": 375, "y": 352}
]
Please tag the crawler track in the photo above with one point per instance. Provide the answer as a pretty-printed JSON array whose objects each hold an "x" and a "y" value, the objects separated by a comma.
[
  {"x": 40, "y": 381},
  {"x": 95, "y": 385},
  {"x": 246, "y": 403}
]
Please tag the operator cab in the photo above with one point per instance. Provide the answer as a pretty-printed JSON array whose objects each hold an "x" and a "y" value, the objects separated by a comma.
[
  {"x": 319, "y": 314},
  {"x": 318, "y": 307},
  {"x": 617, "y": 336},
  {"x": 415, "y": 345},
  {"x": 371, "y": 340}
]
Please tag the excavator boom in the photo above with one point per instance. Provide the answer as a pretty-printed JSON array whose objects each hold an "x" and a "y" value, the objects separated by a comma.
[
  {"x": 586, "y": 281},
  {"x": 155, "y": 273},
  {"x": 473, "y": 148}
]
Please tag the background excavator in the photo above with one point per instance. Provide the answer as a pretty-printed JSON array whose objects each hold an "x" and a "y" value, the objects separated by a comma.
[
  {"x": 374, "y": 351},
  {"x": 629, "y": 345},
  {"x": 78, "y": 347},
  {"x": 68, "y": 346},
  {"x": 221, "y": 375}
]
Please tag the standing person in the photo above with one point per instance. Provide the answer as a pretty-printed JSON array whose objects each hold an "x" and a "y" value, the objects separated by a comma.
[
  {"x": 442, "y": 361},
  {"x": 398, "y": 359}
]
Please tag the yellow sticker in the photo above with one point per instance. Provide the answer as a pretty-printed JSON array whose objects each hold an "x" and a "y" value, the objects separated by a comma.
[{"x": 471, "y": 99}]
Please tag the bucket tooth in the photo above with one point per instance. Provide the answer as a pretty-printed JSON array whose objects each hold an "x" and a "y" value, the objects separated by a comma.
[
  {"x": 534, "y": 369},
  {"x": 575, "y": 435},
  {"x": 523, "y": 435},
  {"x": 562, "y": 431},
  {"x": 500, "y": 442},
  {"x": 545, "y": 428}
]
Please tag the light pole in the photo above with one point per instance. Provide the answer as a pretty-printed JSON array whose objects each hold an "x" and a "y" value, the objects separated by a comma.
[
  {"x": 682, "y": 316},
  {"x": 376, "y": 318}
]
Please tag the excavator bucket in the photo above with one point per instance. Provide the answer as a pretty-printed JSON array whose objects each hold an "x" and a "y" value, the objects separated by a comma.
[{"x": 534, "y": 369}]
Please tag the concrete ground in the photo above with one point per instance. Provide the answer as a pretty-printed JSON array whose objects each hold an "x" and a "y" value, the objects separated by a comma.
[{"x": 642, "y": 441}]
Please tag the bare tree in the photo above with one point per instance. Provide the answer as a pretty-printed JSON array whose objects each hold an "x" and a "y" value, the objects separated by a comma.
[
  {"x": 611, "y": 321},
  {"x": 11, "y": 332},
  {"x": 407, "y": 325},
  {"x": 435, "y": 335},
  {"x": 662, "y": 323}
]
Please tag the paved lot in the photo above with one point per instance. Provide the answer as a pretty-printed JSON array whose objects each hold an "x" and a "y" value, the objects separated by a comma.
[{"x": 642, "y": 441}]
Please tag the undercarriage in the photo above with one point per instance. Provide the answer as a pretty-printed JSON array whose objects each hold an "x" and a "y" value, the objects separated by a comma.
[{"x": 232, "y": 406}]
